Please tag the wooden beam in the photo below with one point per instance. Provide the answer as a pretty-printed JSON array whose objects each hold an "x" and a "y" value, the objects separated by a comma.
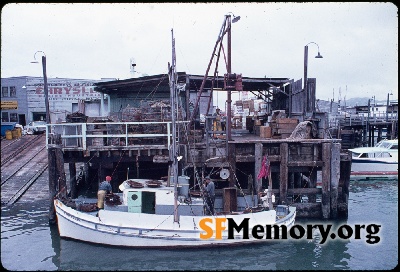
[
  {"x": 72, "y": 179},
  {"x": 258, "y": 149},
  {"x": 284, "y": 149},
  {"x": 297, "y": 191},
  {"x": 62, "y": 182},
  {"x": 335, "y": 175},
  {"x": 232, "y": 163},
  {"x": 326, "y": 180},
  {"x": 51, "y": 154}
]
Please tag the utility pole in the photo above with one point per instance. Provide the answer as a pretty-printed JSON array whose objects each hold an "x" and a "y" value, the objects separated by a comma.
[
  {"x": 45, "y": 87},
  {"x": 46, "y": 90}
]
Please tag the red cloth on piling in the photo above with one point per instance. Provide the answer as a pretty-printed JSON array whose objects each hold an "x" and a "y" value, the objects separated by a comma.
[{"x": 265, "y": 168}]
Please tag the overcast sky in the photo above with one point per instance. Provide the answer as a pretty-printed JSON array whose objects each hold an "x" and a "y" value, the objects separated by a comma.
[{"x": 358, "y": 41}]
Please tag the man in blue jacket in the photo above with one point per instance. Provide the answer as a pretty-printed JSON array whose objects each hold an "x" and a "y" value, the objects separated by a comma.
[
  {"x": 209, "y": 193},
  {"x": 104, "y": 188}
]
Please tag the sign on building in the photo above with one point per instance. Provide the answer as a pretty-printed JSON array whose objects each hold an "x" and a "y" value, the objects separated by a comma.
[{"x": 9, "y": 105}]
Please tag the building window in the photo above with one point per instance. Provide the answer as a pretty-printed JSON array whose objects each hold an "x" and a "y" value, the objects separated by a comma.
[
  {"x": 13, "y": 91},
  {"x": 4, "y": 116},
  {"x": 13, "y": 117},
  {"x": 4, "y": 91}
]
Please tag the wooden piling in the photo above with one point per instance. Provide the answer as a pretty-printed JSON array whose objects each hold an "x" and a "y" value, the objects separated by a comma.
[
  {"x": 258, "y": 149},
  {"x": 284, "y": 151},
  {"x": 335, "y": 175},
  {"x": 51, "y": 154},
  {"x": 62, "y": 182},
  {"x": 326, "y": 180},
  {"x": 232, "y": 163},
  {"x": 72, "y": 179}
]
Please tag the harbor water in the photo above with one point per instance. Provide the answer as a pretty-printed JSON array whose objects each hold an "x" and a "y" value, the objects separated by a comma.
[{"x": 28, "y": 243}]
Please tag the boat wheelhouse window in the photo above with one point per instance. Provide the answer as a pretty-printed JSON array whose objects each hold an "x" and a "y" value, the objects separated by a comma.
[
  {"x": 363, "y": 155},
  {"x": 281, "y": 210},
  {"x": 395, "y": 146},
  {"x": 379, "y": 155}
]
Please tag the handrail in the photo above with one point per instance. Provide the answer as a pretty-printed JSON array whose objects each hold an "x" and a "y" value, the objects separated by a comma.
[{"x": 82, "y": 132}]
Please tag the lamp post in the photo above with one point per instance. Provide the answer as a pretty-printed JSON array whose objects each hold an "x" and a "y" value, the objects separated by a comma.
[
  {"x": 305, "y": 73},
  {"x": 46, "y": 90}
]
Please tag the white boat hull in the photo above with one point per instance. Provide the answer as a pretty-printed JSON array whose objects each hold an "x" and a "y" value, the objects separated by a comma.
[
  {"x": 371, "y": 167},
  {"x": 151, "y": 230},
  {"x": 380, "y": 160}
]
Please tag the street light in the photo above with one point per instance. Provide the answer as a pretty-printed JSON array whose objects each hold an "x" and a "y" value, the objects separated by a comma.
[
  {"x": 305, "y": 73},
  {"x": 46, "y": 91}
]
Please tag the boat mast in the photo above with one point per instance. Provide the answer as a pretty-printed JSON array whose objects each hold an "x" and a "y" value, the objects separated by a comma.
[{"x": 172, "y": 84}]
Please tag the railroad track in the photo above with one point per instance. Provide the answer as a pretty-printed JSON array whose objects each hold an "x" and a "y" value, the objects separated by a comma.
[
  {"x": 25, "y": 186},
  {"x": 24, "y": 166},
  {"x": 4, "y": 146},
  {"x": 16, "y": 170},
  {"x": 9, "y": 154}
]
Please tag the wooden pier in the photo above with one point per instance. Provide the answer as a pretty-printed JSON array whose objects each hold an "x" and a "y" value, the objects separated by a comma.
[{"x": 311, "y": 174}]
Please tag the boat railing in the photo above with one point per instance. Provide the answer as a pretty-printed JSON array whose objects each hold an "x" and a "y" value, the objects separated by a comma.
[{"x": 81, "y": 136}]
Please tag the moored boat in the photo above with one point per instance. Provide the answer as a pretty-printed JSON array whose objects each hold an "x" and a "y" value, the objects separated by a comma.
[
  {"x": 146, "y": 219},
  {"x": 150, "y": 213},
  {"x": 380, "y": 160}
]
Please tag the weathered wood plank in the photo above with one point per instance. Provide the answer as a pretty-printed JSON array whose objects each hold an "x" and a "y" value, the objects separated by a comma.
[
  {"x": 72, "y": 179},
  {"x": 52, "y": 182},
  {"x": 326, "y": 178},
  {"x": 335, "y": 175},
  {"x": 297, "y": 191},
  {"x": 258, "y": 149},
  {"x": 283, "y": 173}
]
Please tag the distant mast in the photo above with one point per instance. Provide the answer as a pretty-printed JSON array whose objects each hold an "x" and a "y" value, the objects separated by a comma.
[
  {"x": 172, "y": 83},
  {"x": 132, "y": 65}
]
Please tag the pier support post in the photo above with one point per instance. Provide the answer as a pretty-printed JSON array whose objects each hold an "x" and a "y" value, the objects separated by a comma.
[
  {"x": 379, "y": 135},
  {"x": 100, "y": 175},
  {"x": 258, "y": 149},
  {"x": 51, "y": 155},
  {"x": 232, "y": 163},
  {"x": 56, "y": 177},
  {"x": 284, "y": 151},
  {"x": 72, "y": 179},
  {"x": 326, "y": 180},
  {"x": 344, "y": 183},
  {"x": 62, "y": 181},
  {"x": 335, "y": 175}
]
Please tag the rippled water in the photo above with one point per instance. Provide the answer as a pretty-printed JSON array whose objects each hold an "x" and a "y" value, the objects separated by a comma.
[{"x": 29, "y": 243}]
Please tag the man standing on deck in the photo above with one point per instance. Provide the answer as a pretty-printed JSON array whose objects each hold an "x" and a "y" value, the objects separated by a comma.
[
  {"x": 217, "y": 121},
  {"x": 209, "y": 193},
  {"x": 104, "y": 187}
]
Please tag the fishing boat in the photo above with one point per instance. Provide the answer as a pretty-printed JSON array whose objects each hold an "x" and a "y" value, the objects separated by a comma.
[
  {"x": 158, "y": 213},
  {"x": 380, "y": 160},
  {"x": 146, "y": 218}
]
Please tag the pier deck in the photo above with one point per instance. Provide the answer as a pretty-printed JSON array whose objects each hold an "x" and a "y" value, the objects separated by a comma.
[{"x": 311, "y": 174}]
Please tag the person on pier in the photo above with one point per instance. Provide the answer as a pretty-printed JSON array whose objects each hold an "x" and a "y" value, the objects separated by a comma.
[{"x": 209, "y": 193}]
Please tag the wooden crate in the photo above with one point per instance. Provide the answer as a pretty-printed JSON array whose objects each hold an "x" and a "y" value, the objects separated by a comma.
[
  {"x": 265, "y": 132},
  {"x": 287, "y": 121},
  {"x": 286, "y": 126}
]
